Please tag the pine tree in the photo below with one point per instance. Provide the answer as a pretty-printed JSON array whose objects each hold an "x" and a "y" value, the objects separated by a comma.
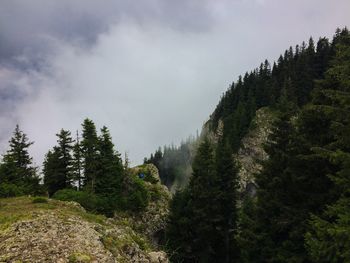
[
  {"x": 225, "y": 247},
  {"x": 90, "y": 154},
  {"x": 17, "y": 168},
  {"x": 205, "y": 212},
  {"x": 328, "y": 240},
  {"x": 58, "y": 169},
  {"x": 77, "y": 163},
  {"x": 65, "y": 148},
  {"x": 179, "y": 229},
  {"x": 109, "y": 175},
  {"x": 53, "y": 170}
]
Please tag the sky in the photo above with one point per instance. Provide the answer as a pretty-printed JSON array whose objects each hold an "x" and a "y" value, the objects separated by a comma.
[{"x": 152, "y": 71}]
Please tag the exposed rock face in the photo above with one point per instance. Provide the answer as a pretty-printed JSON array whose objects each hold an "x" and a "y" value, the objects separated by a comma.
[
  {"x": 209, "y": 133},
  {"x": 252, "y": 152},
  {"x": 63, "y": 232},
  {"x": 152, "y": 221},
  {"x": 158, "y": 257},
  {"x": 48, "y": 238}
]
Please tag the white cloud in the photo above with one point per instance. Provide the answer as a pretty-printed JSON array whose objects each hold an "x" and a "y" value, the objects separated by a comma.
[{"x": 150, "y": 82}]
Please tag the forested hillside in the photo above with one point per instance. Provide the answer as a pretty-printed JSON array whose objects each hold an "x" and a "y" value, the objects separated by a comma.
[
  {"x": 300, "y": 212},
  {"x": 291, "y": 78}
]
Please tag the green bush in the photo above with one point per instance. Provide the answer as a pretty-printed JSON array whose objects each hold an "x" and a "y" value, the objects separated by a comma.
[
  {"x": 148, "y": 175},
  {"x": 155, "y": 193},
  {"x": 37, "y": 200},
  {"x": 79, "y": 258},
  {"x": 85, "y": 199},
  {"x": 137, "y": 196},
  {"x": 10, "y": 190},
  {"x": 150, "y": 178}
]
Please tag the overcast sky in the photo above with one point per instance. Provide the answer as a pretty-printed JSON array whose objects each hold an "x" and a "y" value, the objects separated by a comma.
[{"x": 150, "y": 70}]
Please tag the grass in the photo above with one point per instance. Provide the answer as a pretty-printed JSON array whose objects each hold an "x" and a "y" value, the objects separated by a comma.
[
  {"x": 23, "y": 208},
  {"x": 17, "y": 209},
  {"x": 79, "y": 258},
  {"x": 39, "y": 199}
]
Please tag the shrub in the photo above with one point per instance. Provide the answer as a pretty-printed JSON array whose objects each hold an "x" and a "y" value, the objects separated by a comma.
[
  {"x": 10, "y": 190},
  {"x": 148, "y": 175},
  {"x": 85, "y": 199},
  {"x": 137, "y": 196},
  {"x": 79, "y": 258},
  {"x": 37, "y": 200}
]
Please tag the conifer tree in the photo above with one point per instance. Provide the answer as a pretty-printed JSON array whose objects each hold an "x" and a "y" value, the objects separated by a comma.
[
  {"x": 77, "y": 163},
  {"x": 64, "y": 148},
  {"x": 225, "y": 247},
  {"x": 179, "y": 230},
  {"x": 328, "y": 240},
  {"x": 17, "y": 168},
  {"x": 58, "y": 170},
  {"x": 109, "y": 175},
  {"x": 205, "y": 212},
  {"x": 90, "y": 154},
  {"x": 53, "y": 170}
]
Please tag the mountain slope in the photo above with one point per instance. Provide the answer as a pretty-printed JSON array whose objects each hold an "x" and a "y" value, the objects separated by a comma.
[{"x": 56, "y": 231}]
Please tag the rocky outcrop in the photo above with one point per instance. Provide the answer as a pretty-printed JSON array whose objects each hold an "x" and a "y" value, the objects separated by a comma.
[
  {"x": 50, "y": 238},
  {"x": 63, "y": 232},
  {"x": 252, "y": 152},
  {"x": 152, "y": 221}
]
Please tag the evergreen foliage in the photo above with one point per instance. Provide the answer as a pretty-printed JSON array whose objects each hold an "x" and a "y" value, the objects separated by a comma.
[
  {"x": 90, "y": 154},
  {"x": 193, "y": 236},
  {"x": 301, "y": 210},
  {"x": 92, "y": 173},
  {"x": 174, "y": 163},
  {"x": 17, "y": 173},
  {"x": 328, "y": 239}
]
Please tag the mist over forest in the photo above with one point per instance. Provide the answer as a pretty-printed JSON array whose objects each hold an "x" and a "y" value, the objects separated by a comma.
[{"x": 99, "y": 102}]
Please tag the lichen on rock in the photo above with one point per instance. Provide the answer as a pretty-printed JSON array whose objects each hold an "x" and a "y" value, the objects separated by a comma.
[
  {"x": 62, "y": 232},
  {"x": 252, "y": 153}
]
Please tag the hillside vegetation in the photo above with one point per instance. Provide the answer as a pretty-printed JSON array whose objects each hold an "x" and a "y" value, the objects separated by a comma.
[
  {"x": 36, "y": 229},
  {"x": 297, "y": 157}
]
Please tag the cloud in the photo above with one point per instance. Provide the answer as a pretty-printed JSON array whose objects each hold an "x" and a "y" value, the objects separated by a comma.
[{"x": 152, "y": 71}]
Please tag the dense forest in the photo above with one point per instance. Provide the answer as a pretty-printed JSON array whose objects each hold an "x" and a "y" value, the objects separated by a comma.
[
  {"x": 301, "y": 211},
  {"x": 291, "y": 79}
]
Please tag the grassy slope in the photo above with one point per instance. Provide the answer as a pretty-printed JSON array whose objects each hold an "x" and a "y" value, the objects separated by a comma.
[{"x": 16, "y": 210}]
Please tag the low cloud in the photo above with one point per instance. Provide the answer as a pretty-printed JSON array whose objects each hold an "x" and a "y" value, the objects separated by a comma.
[{"x": 152, "y": 72}]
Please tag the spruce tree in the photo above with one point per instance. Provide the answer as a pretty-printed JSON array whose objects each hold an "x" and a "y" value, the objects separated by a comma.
[
  {"x": 90, "y": 154},
  {"x": 65, "y": 146},
  {"x": 109, "y": 174},
  {"x": 77, "y": 163},
  {"x": 58, "y": 170},
  {"x": 17, "y": 168},
  {"x": 110, "y": 165},
  {"x": 225, "y": 247},
  {"x": 54, "y": 172},
  {"x": 205, "y": 212},
  {"x": 328, "y": 240}
]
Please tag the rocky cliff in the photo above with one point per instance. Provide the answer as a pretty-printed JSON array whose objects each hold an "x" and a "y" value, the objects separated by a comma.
[
  {"x": 251, "y": 152},
  {"x": 45, "y": 230}
]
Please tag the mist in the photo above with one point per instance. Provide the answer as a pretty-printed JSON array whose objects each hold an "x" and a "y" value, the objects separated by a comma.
[{"x": 151, "y": 71}]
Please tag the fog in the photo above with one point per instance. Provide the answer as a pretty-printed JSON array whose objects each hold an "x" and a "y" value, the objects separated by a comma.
[{"x": 152, "y": 71}]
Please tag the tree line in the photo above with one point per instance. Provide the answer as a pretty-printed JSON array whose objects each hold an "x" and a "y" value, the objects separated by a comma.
[
  {"x": 301, "y": 212},
  {"x": 174, "y": 162},
  {"x": 86, "y": 169}
]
